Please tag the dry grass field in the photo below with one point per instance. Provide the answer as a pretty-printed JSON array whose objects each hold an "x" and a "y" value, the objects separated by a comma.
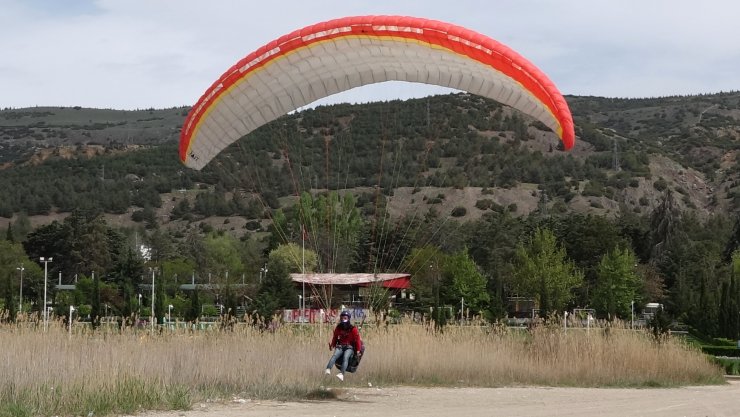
[{"x": 113, "y": 371}]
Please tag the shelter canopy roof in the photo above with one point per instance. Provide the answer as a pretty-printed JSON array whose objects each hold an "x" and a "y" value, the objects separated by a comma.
[{"x": 388, "y": 280}]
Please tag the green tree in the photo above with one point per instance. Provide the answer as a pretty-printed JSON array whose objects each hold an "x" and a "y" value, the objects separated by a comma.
[
  {"x": 332, "y": 228},
  {"x": 653, "y": 288},
  {"x": 543, "y": 271},
  {"x": 88, "y": 243},
  {"x": 665, "y": 235},
  {"x": 127, "y": 273},
  {"x": 294, "y": 258},
  {"x": 160, "y": 300},
  {"x": 384, "y": 245},
  {"x": 193, "y": 311},
  {"x": 175, "y": 272},
  {"x": 586, "y": 240},
  {"x": 729, "y": 318},
  {"x": 193, "y": 247},
  {"x": 161, "y": 246},
  {"x": 733, "y": 243},
  {"x": 50, "y": 240},
  {"x": 13, "y": 257},
  {"x": 81, "y": 244},
  {"x": 21, "y": 227},
  {"x": 89, "y": 295},
  {"x": 462, "y": 280},
  {"x": 276, "y": 292},
  {"x": 617, "y": 284},
  {"x": 425, "y": 266},
  {"x": 9, "y": 233},
  {"x": 493, "y": 241},
  {"x": 223, "y": 255}
]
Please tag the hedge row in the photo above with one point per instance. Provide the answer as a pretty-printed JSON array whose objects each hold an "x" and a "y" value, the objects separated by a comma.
[{"x": 728, "y": 351}]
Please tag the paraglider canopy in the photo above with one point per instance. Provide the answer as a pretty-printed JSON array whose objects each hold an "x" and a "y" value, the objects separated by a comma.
[{"x": 334, "y": 56}]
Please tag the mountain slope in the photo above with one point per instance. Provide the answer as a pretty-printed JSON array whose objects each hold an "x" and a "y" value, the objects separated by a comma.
[{"x": 458, "y": 155}]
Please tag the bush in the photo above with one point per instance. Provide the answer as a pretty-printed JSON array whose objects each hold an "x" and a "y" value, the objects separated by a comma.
[
  {"x": 138, "y": 216},
  {"x": 559, "y": 207},
  {"x": 660, "y": 184},
  {"x": 593, "y": 188},
  {"x": 484, "y": 204},
  {"x": 253, "y": 225},
  {"x": 726, "y": 351},
  {"x": 459, "y": 211}
]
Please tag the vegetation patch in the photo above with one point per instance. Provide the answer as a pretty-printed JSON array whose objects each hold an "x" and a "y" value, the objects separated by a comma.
[{"x": 125, "y": 371}]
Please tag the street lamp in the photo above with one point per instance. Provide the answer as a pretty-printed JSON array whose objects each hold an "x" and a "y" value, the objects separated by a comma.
[
  {"x": 46, "y": 275},
  {"x": 20, "y": 301},
  {"x": 152, "y": 315},
  {"x": 169, "y": 313},
  {"x": 71, "y": 309}
]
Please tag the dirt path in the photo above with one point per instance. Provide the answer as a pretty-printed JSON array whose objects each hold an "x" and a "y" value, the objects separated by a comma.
[{"x": 533, "y": 402}]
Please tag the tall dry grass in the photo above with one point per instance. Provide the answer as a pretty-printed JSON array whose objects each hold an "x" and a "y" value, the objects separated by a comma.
[{"x": 112, "y": 371}]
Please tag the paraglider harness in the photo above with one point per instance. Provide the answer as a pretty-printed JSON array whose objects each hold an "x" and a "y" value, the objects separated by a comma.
[{"x": 354, "y": 360}]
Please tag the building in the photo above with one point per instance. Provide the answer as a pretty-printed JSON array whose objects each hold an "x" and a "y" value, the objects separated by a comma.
[{"x": 323, "y": 294}]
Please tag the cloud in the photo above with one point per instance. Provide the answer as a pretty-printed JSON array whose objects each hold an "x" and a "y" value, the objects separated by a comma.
[{"x": 138, "y": 54}]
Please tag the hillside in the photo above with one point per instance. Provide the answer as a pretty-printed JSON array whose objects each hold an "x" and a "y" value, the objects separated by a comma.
[{"x": 459, "y": 155}]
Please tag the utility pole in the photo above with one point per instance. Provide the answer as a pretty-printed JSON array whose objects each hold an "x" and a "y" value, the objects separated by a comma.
[
  {"x": 45, "y": 261},
  {"x": 71, "y": 310},
  {"x": 303, "y": 272},
  {"x": 462, "y": 310},
  {"x": 20, "y": 300}
]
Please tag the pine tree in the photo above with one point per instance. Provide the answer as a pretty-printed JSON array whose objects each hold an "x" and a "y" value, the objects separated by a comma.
[
  {"x": 127, "y": 309},
  {"x": 160, "y": 309},
  {"x": 194, "y": 311},
  {"x": 734, "y": 242},
  {"x": 724, "y": 324},
  {"x": 663, "y": 227},
  {"x": 8, "y": 296},
  {"x": 9, "y": 234}
]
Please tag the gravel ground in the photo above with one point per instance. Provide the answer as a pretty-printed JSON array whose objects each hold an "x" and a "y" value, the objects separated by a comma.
[{"x": 720, "y": 400}]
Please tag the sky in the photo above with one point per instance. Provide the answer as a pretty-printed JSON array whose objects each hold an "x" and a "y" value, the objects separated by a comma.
[{"x": 137, "y": 54}]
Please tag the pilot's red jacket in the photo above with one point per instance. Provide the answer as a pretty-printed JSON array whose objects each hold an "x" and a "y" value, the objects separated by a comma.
[{"x": 344, "y": 337}]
